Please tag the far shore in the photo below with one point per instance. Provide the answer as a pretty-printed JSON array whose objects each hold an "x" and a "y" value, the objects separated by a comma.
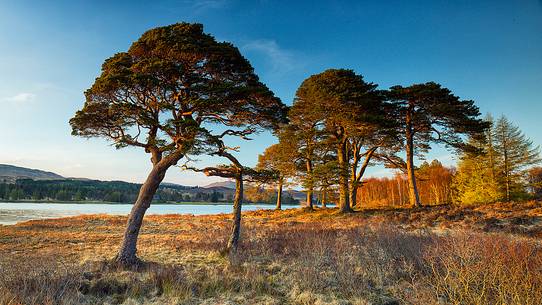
[{"x": 154, "y": 203}]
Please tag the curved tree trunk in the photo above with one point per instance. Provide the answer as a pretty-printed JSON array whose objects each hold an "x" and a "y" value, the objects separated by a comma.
[
  {"x": 344, "y": 206},
  {"x": 127, "y": 255},
  {"x": 236, "y": 228},
  {"x": 279, "y": 195},
  {"x": 127, "y": 252}
]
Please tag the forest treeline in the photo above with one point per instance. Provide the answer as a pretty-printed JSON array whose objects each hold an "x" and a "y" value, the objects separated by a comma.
[
  {"x": 124, "y": 192},
  {"x": 93, "y": 190},
  {"x": 439, "y": 184},
  {"x": 435, "y": 184}
]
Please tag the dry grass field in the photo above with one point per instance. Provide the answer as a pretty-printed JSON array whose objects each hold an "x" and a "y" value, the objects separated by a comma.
[{"x": 488, "y": 254}]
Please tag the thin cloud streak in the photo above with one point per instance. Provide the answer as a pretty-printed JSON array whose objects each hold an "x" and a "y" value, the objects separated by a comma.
[
  {"x": 200, "y": 5},
  {"x": 280, "y": 60},
  {"x": 22, "y": 97}
]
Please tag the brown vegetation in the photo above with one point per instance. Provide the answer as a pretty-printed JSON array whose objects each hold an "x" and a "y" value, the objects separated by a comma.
[{"x": 440, "y": 255}]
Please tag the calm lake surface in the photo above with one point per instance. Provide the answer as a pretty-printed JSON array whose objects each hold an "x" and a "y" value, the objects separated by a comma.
[{"x": 14, "y": 212}]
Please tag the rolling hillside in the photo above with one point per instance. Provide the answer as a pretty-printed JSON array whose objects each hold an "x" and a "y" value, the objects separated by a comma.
[
  {"x": 19, "y": 183},
  {"x": 10, "y": 173}
]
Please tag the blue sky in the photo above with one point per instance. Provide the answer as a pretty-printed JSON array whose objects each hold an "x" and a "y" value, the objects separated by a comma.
[{"x": 51, "y": 51}]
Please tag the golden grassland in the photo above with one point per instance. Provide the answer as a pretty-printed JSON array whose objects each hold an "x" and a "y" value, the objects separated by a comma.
[{"x": 488, "y": 254}]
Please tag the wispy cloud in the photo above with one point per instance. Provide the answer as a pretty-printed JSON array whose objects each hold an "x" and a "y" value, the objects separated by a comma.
[
  {"x": 199, "y": 6},
  {"x": 208, "y": 4},
  {"x": 190, "y": 7},
  {"x": 280, "y": 60},
  {"x": 22, "y": 97}
]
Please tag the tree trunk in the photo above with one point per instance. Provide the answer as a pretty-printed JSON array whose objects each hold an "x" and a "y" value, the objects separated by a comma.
[
  {"x": 353, "y": 183},
  {"x": 507, "y": 177},
  {"x": 355, "y": 150},
  {"x": 344, "y": 206},
  {"x": 310, "y": 187},
  {"x": 127, "y": 255},
  {"x": 309, "y": 201},
  {"x": 357, "y": 177},
  {"x": 324, "y": 199},
  {"x": 236, "y": 228},
  {"x": 279, "y": 195},
  {"x": 506, "y": 165},
  {"x": 414, "y": 197},
  {"x": 352, "y": 196}
]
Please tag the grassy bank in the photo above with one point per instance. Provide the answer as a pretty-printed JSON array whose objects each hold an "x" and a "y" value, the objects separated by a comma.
[{"x": 441, "y": 255}]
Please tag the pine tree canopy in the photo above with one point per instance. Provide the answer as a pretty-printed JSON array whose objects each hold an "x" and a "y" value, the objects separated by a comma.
[
  {"x": 172, "y": 84},
  {"x": 437, "y": 115}
]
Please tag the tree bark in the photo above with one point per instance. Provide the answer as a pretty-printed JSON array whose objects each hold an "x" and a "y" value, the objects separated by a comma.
[
  {"x": 506, "y": 174},
  {"x": 413, "y": 195},
  {"x": 236, "y": 228},
  {"x": 127, "y": 255},
  {"x": 324, "y": 198},
  {"x": 344, "y": 206},
  {"x": 279, "y": 195},
  {"x": 310, "y": 187},
  {"x": 352, "y": 196},
  {"x": 354, "y": 175}
]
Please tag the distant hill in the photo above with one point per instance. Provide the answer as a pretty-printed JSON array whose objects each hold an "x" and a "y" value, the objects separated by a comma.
[
  {"x": 299, "y": 195},
  {"x": 20, "y": 183},
  {"x": 221, "y": 184},
  {"x": 10, "y": 173},
  {"x": 229, "y": 186}
]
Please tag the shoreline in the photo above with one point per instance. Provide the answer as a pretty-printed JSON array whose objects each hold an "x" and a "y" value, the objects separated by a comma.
[
  {"x": 154, "y": 203},
  {"x": 17, "y": 212}
]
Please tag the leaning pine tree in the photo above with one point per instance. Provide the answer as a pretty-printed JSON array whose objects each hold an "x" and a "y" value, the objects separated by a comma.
[{"x": 163, "y": 95}]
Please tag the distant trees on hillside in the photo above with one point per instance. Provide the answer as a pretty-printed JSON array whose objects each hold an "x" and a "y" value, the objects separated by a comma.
[
  {"x": 259, "y": 193},
  {"x": 109, "y": 191}
]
